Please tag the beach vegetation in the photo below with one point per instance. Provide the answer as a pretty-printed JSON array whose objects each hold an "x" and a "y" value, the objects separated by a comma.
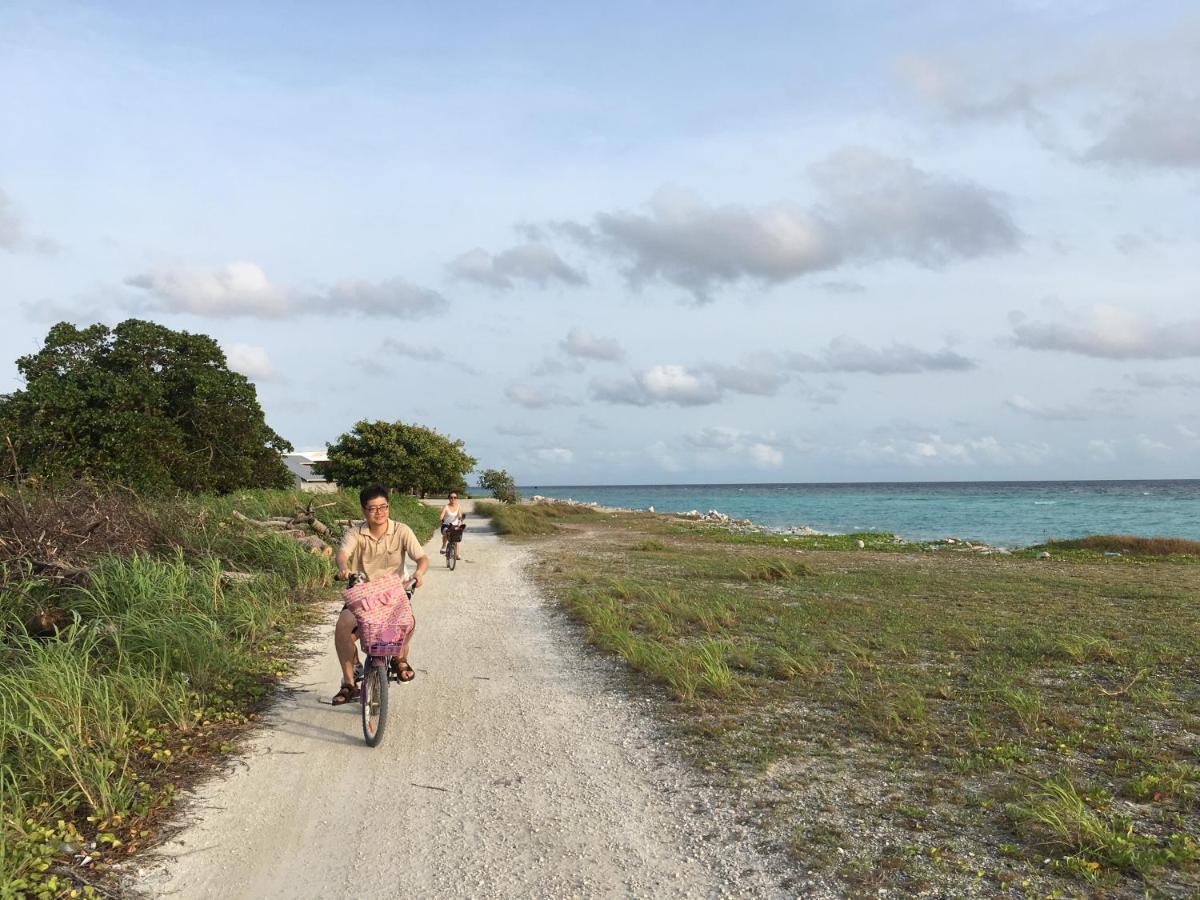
[
  {"x": 141, "y": 405},
  {"x": 531, "y": 519},
  {"x": 501, "y": 485},
  {"x": 1127, "y": 544},
  {"x": 1042, "y": 717},
  {"x": 406, "y": 458},
  {"x": 133, "y": 659}
]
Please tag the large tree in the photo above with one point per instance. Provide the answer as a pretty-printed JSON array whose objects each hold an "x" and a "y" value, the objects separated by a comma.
[
  {"x": 399, "y": 456},
  {"x": 143, "y": 405}
]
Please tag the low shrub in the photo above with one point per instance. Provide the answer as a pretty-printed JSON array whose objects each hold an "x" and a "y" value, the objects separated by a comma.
[{"x": 1129, "y": 544}]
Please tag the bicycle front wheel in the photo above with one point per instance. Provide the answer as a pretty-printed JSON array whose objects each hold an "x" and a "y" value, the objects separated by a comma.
[
  {"x": 452, "y": 556},
  {"x": 374, "y": 703}
]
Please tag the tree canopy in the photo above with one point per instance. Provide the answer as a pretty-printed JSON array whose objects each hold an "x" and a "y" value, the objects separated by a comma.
[
  {"x": 399, "y": 456},
  {"x": 500, "y": 483},
  {"x": 148, "y": 407}
]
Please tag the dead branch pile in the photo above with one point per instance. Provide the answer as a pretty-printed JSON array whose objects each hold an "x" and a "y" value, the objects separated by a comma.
[
  {"x": 55, "y": 531},
  {"x": 303, "y": 526}
]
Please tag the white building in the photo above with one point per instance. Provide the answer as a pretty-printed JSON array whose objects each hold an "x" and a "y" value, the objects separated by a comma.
[{"x": 300, "y": 464}]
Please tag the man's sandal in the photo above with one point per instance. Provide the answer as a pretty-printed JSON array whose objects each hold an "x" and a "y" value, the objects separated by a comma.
[
  {"x": 345, "y": 694},
  {"x": 402, "y": 670}
]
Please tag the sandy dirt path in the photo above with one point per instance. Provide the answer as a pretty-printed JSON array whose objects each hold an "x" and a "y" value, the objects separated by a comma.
[{"x": 514, "y": 766}]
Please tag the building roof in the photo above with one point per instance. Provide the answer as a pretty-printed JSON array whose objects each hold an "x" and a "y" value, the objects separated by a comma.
[{"x": 301, "y": 465}]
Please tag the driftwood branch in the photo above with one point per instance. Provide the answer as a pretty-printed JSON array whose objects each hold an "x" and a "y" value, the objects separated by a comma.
[
  {"x": 57, "y": 569},
  {"x": 290, "y": 527}
]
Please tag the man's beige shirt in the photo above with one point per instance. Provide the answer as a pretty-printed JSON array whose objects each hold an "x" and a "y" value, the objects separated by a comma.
[{"x": 384, "y": 556}]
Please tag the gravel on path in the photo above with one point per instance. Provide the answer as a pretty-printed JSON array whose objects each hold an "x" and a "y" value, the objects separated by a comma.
[{"x": 514, "y": 765}]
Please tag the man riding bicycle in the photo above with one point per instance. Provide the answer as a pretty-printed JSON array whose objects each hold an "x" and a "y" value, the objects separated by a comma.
[{"x": 377, "y": 547}]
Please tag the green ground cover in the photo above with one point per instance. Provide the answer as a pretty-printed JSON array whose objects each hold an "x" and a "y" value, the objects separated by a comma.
[
  {"x": 160, "y": 660},
  {"x": 912, "y": 719}
]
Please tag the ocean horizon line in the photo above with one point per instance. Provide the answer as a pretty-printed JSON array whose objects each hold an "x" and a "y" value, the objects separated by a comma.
[{"x": 580, "y": 484}]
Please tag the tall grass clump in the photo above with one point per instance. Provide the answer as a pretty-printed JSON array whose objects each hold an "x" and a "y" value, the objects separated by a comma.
[
  {"x": 1060, "y": 819},
  {"x": 531, "y": 519},
  {"x": 156, "y": 658}
]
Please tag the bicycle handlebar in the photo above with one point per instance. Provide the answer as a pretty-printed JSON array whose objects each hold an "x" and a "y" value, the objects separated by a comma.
[{"x": 355, "y": 578}]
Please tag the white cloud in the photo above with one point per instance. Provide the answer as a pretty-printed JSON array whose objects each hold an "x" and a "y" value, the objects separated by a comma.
[
  {"x": 1155, "y": 131},
  {"x": 688, "y": 386},
  {"x": 243, "y": 289},
  {"x": 1110, "y": 332},
  {"x": 887, "y": 208},
  {"x": 237, "y": 289},
  {"x": 556, "y": 455},
  {"x": 531, "y": 397},
  {"x": 873, "y": 207},
  {"x": 390, "y": 298},
  {"x": 682, "y": 240},
  {"x": 1150, "y": 445},
  {"x": 533, "y": 262},
  {"x": 1102, "y": 450},
  {"x": 14, "y": 236},
  {"x": 412, "y": 351},
  {"x": 12, "y": 232},
  {"x": 846, "y": 354},
  {"x": 764, "y": 456},
  {"x": 516, "y": 430},
  {"x": 584, "y": 344},
  {"x": 716, "y": 437},
  {"x": 931, "y": 449},
  {"x": 1158, "y": 381},
  {"x": 676, "y": 384},
  {"x": 760, "y": 379},
  {"x": 662, "y": 455},
  {"x": 1027, "y": 407},
  {"x": 1125, "y": 100},
  {"x": 732, "y": 446},
  {"x": 252, "y": 361},
  {"x": 553, "y": 365}
]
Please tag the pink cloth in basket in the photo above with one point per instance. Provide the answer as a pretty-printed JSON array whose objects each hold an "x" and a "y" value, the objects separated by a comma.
[{"x": 382, "y": 610}]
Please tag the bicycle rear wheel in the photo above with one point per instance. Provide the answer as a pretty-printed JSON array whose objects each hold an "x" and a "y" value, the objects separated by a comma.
[{"x": 374, "y": 702}]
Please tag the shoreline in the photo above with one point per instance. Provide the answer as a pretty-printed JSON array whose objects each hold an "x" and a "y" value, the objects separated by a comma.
[
  {"x": 1000, "y": 515},
  {"x": 721, "y": 520}
]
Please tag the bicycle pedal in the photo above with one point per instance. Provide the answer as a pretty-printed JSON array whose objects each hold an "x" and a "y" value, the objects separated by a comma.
[{"x": 358, "y": 672}]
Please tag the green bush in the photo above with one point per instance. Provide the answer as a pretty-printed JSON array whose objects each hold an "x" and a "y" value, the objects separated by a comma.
[{"x": 501, "y": 484}]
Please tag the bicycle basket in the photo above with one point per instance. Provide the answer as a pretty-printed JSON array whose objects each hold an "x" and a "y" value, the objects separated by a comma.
[
  {"x": 383, "y": 612},
  {"x": 454, "y": 534}
]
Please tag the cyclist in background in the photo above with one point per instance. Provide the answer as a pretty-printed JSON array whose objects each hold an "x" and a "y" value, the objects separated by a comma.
[{"x": 452, "y": 517}]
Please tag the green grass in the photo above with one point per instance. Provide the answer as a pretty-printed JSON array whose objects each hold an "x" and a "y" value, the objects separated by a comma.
[
  {"x": 1127, "y": 544},
  {"x": 974, "y": 676},
  {"x": 161, "y": 661},
  {"x": 532, "y": 519}
]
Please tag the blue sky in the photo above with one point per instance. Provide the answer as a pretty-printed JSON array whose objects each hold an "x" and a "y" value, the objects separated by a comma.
[{"x": 637, "y": 242}]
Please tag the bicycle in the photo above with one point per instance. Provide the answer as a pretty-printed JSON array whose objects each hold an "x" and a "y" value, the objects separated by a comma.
[
  {"x": 373, "y": 674},
  {"x": 454, "y": 535}
]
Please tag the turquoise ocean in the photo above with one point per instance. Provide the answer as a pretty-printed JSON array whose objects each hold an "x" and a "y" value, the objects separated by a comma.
[{"x": 1001, "y": 513}]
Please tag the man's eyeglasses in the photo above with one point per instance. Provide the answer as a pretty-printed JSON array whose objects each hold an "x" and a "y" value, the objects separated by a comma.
[{"x": 378, "y": 507}]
